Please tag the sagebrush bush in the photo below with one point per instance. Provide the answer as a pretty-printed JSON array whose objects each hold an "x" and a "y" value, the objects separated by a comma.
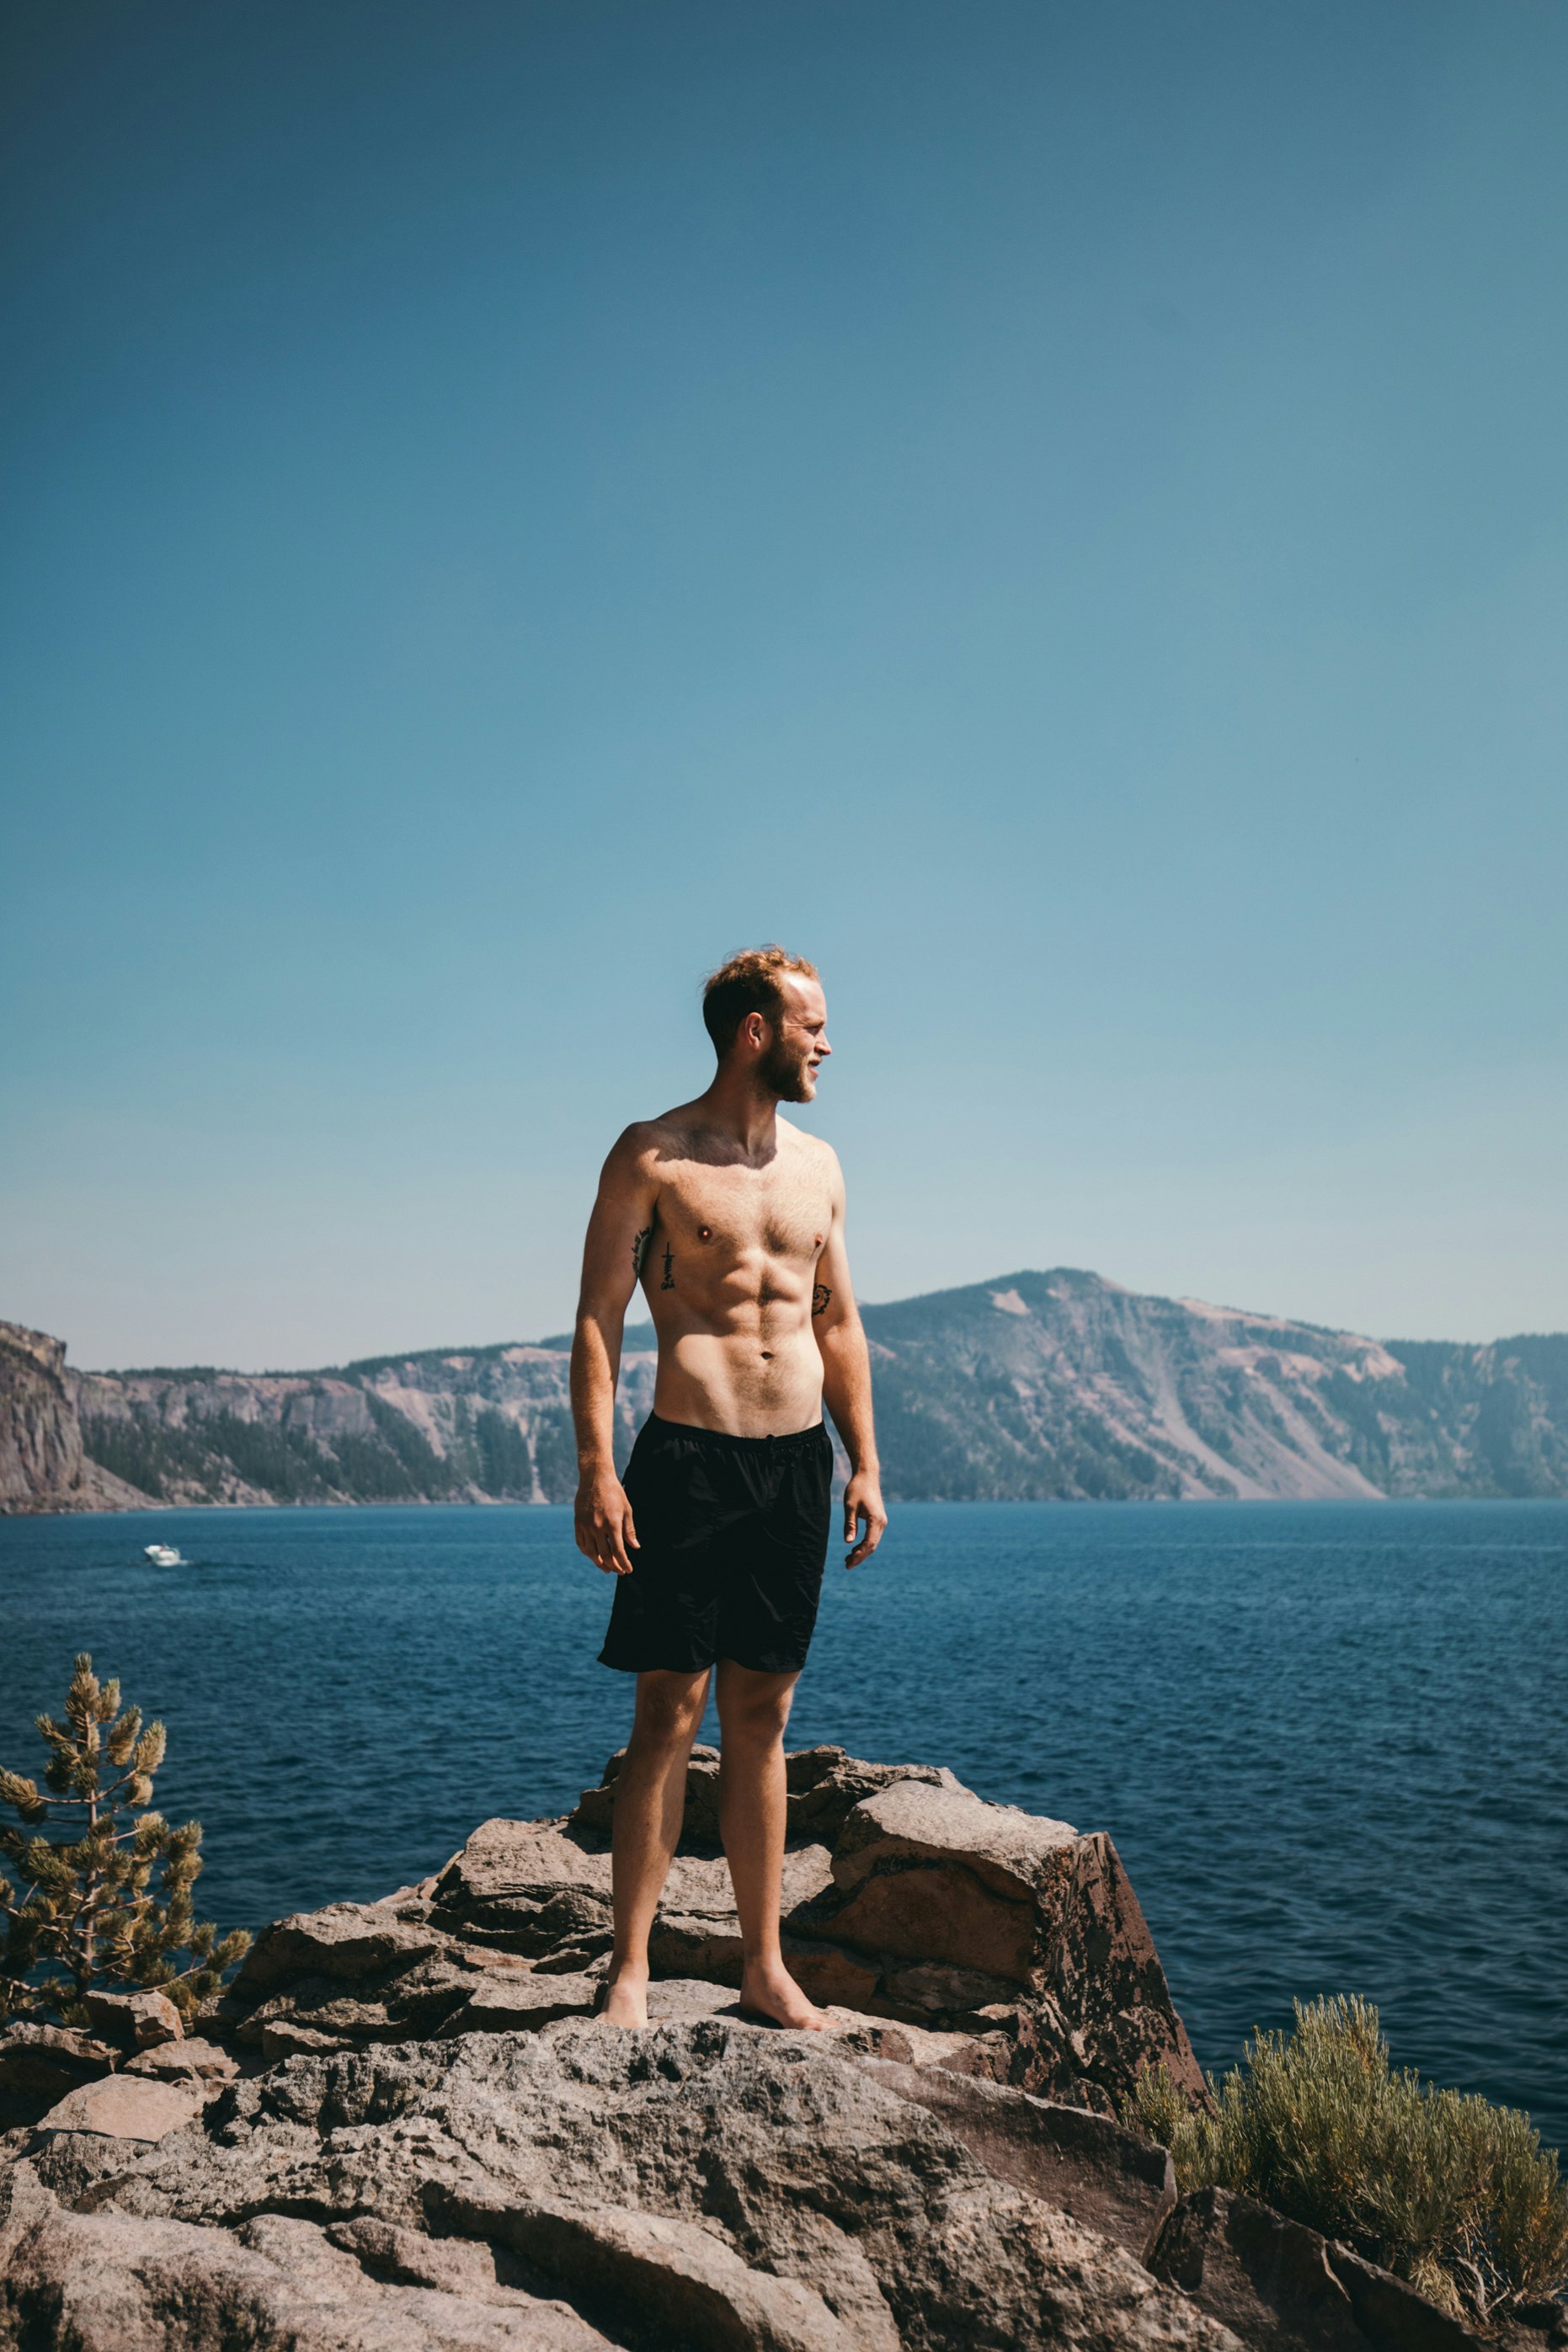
[
  {"x": 1444, "y": 2190},
  {"x": 108, "y": 1904}
]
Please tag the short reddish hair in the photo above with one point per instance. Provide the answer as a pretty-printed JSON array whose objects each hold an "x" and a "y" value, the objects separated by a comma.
[{"x": 748, "y": 982}]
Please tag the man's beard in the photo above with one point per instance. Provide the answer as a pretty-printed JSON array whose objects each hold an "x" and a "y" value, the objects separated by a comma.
[{"x": 785, "y": 1074}]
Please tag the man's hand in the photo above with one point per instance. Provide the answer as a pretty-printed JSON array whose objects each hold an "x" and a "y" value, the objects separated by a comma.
[
  {"x": 603, "y": 1523},
  {"x": 862, "y": 1501}
]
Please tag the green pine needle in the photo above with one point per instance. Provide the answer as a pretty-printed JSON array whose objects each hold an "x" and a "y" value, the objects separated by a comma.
[{"x": 109, "y": 1902}]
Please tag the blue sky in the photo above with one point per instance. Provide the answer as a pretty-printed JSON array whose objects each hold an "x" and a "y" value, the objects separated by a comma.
[{"x": 1060, "y": 513}]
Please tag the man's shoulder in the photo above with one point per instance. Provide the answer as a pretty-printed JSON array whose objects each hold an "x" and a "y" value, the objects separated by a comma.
[
  {"x": 811, "y": 1147},
  {"x": 647, "y": 1140}
]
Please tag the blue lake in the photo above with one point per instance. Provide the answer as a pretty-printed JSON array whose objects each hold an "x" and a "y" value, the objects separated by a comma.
[{"x": 1331, "y": 1740}]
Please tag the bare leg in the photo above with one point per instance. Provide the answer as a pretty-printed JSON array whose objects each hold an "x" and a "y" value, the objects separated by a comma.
[
  {"x": 650, "y": 1797},
  {"x": 753, "y": 1711}
]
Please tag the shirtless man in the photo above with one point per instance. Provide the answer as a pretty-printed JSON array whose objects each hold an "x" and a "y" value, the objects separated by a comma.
[{"x": 733, "y": 1220}]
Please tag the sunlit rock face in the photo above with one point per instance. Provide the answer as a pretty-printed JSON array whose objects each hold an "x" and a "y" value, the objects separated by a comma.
[{"x": 43, "y": 1465}]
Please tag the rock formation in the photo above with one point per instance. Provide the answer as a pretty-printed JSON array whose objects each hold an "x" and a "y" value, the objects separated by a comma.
[
  {"x": 43, "y": 1466},
  {"x": 1032, "y": 1386},
  {"x": 402, "y": 2131}
]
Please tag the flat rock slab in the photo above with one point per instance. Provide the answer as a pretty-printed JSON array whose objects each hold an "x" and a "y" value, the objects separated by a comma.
[
  {"x": 504, "y": 1858},
  {"x": 511, "y": 2002},
  {"x": 675, "y": 1999},
  {"x": 193, "y": 2059},
  {"x": 1011, "y": 1851},
  {"x": 126, "y": 2106}
]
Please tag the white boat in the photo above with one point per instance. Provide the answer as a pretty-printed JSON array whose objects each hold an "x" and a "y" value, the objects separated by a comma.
[{"x": 163, "y": 1556}]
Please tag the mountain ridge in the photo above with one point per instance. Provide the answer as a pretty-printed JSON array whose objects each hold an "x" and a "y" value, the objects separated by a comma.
[{"x": 1054, "y": 1385}]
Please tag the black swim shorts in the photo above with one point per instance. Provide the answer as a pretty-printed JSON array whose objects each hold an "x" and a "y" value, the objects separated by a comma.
[{"x": 733, "y": 1538}]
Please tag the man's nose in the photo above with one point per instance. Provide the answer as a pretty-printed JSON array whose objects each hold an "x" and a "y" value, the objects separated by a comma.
[{"x": 823, "y": 1047}]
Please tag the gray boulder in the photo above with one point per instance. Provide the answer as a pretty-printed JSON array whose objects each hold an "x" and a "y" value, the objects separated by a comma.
[{"x": 135, "y": 2020}]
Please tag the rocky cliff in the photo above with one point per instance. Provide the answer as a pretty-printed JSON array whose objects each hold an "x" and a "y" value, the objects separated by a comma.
[
  {"x": 402, "y": 2129},
  {"x": 1033, "y": 1386},
  {"x": 1065, "y": 1384},
  {"x": 43, "y": 1465}
]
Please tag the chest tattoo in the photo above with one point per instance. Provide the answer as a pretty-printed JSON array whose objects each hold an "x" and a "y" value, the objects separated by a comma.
[{"x": 668, "y": 1282}]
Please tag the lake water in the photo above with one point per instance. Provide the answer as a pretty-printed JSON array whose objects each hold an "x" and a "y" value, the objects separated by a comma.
[{"x": 1331, "y": 1740}]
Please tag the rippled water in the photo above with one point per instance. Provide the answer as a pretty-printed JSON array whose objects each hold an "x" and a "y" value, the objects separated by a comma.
[{"x": 1331, "y": 1740}]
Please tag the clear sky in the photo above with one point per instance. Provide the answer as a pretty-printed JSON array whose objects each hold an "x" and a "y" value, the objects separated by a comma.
[{"x": 1060, "y": 512}]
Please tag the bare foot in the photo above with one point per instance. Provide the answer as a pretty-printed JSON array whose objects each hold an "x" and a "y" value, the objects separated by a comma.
[
  {"x": 773, "y": 1994},
  {"x": 625, "y": 2001}
]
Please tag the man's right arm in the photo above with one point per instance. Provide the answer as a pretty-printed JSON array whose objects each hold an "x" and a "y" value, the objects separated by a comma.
[{"x": 618, "y": 1234}]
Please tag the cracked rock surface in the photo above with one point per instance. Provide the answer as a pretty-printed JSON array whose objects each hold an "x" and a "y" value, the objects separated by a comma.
[{"x": 705, "y": 2184}]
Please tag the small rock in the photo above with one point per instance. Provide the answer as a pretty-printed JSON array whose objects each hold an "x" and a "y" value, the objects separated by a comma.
[
  {"x": 347, "y": 1941},
  {"x": 223, "y": 2012},
  {"x": 136, "y": 2020},
  {"x": 1011, "y": 1853},
  {"x": 505, "y": 1859},
  {"x": 44, "y": 2062},
  {"x": 124, "y": 2106},
  {"x": 936, "y": 1875},
  {"x": 287, "y": 2039},
  {"x": 595, "y": 1809},
  {"x": 192, "y": 2060}
]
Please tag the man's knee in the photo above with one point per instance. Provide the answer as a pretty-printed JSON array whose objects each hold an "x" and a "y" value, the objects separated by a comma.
[
  {"x": 669, "y": 1710},
  {"x": 753, "y": 1711}
]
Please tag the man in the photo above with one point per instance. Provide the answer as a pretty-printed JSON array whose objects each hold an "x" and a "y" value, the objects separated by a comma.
[{"x": 733, "y": 1218}]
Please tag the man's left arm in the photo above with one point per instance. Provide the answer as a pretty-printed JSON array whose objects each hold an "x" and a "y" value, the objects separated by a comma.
[{"x": 846, "y": 1386}]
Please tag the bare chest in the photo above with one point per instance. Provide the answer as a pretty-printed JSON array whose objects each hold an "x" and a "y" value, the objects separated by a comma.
[{"x": 732, "y": 1214}]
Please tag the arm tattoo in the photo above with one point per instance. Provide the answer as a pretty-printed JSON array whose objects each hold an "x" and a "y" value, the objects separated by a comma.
[
  {"x": 639, "y": 1248},
  {"x": 820, "y": 1295}
]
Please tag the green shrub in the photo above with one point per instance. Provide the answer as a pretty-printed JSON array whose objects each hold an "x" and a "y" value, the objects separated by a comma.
[
  {"x": 109, "y": 1904},
  {"x": 1444, "y": 2190}
]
